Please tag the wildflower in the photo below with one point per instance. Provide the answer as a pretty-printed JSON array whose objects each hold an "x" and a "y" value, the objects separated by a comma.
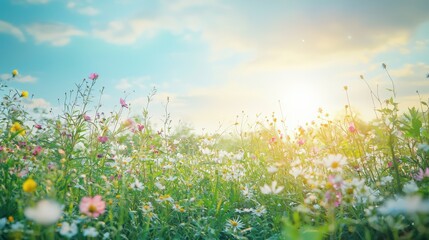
[
  {"x": 352, "y": 128},
  {"x": 234, "y": 224},
  {"x": 137, "y": 185},
  {"x": 10, "y": 219},
  {"x": 335, "y": 162},
  {"x": 140, "y": 127},
  {"x": 246, "y": 192},
  {"x": 86, "y": 118},
  {"x": 29, "y": 185},
  {"x": 421, "y": 175},
  {"x": 301, "y": 142},
  {"x": 147, "y": 207},
  {"x": 128, "y": 123},
  {"x": 164, "y": 198},
  {"x": 93, "y": 76},
  {"x": 92, "y": 207},
  {"x": 16, "y": 127},
  {"x": 37, "y": 150},
  {"x": 14, "y": 73},
  {"x": 271, "y": 190},
  {"x": 296, "y": 171},
  {"x": 90, "y": 232},
  {"x": 103, "y": 139},
  {"x": 405, "y": 205},
  {"x": 123, "y": 103},
  {"x": 38, "y": 126},
  {"x": 410, "y": 187},
  {"x": 46, "y": 212},
  {"x": 68, "y": 230},
  {"x": 259, "y": 211},
  {"x": 178, "y": 208},
  {"x": 24, "y": 94}
]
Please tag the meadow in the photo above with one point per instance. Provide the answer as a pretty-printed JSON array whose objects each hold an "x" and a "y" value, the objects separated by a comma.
[{"x": 88, "y": 174}]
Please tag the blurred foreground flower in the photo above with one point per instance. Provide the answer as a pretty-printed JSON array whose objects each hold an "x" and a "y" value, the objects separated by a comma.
[
  {"x": 352, "y": 128},
  {"x": 68, "y": 230},
  {"x": 103, "y": 139},
  {"x": 405, "y": 205},
  {"x": 92, "y": 207},
  {"x": 16, "y": 127},
  {"x": 93, "y": 76},
  {"x": 14, "y": 73},
  {"x": 273, "y": 189},
  {"x": 29, "y": 185},
  {"x": 90, "y": 232},
  {"x": 46, "y": 212}
]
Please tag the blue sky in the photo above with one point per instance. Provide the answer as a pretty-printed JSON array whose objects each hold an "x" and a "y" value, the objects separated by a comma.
[{"x": 215, "y": 59}]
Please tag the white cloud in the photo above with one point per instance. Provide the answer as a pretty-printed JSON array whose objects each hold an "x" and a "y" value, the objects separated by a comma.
[
  {"x": 8, "y": 28},
  {"x": 132, "y": 83},
  {"x": 19, "y": 78},
  {"x": 56, "y": 34},
  {"x": 126, "y": 32},
  {"x": 90, "y": 11},
  {"x": 83, "y": 8},
  {"x": 274, "y": 40},
  {"x": 38, "y": 103},
  {"x": 32, "y": 1}
]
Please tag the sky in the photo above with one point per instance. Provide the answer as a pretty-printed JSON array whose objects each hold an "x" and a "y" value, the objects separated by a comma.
[{"x": 216, "y": 60}]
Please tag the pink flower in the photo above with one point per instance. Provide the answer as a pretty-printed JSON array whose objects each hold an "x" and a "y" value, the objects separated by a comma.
[
  {"x": 421, "y": 175},
  {"x": 93, "y": 76},
  {"x": 140, "y": 127},
  {"x": 123, "y": 103},
  {"x": 38, "y": 126},
  {"x": 37, "y": 150},
  {"x": 86, "y": 118},
  {"x": 301, "y": 142},
  {"x": 92, "y": 207},
  {"x": 103, "y": 139},
  {"x": 352, "y": 128}
]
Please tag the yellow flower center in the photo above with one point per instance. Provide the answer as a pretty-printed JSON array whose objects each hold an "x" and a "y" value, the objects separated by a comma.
[
  {"x": 233, "y": 223},
  {"x": 335, "y": 165},
  {"x": 92, "y": 208}
]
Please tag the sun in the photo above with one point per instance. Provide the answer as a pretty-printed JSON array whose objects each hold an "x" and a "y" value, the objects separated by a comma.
[{"x": 300, "y": 103}]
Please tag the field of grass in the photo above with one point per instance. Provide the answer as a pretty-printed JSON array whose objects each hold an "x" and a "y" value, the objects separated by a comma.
[{"x": 85, "y": 174}]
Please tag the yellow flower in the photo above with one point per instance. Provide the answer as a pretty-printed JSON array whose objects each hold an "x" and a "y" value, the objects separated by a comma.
[
  {"x": 24, "y": 94},
  {"x": 14, "y": 73},
  {"x": 10, "y": 219},
  {"x": 29, "y": 185},
  {"x": 16, "y": 127}
]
